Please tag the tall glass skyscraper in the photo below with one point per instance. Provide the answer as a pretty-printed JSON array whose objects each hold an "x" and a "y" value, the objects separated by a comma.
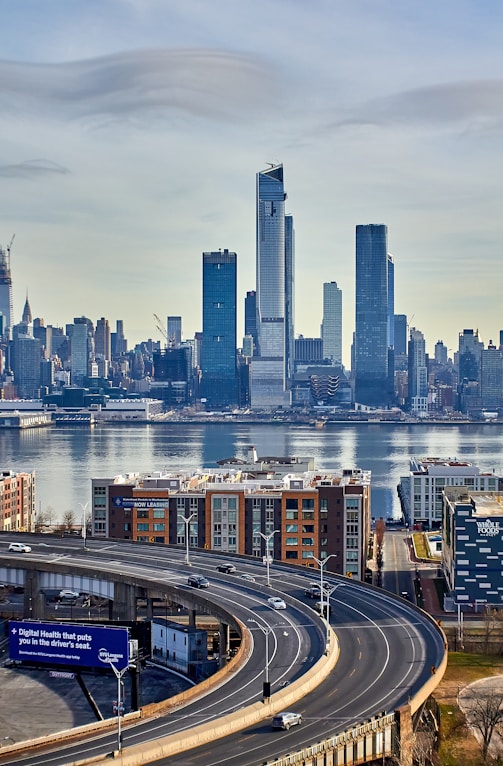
[
  {"x": 274, "y": 270},
  {"x": 331, "y": 327},
  {"x": 373, "y": 368},
  {"x": 218, "y": 347},
  {"x": 6, "y": 292}
]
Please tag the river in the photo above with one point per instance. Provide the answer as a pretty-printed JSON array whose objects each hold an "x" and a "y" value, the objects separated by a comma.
[{"x": 66, "y": 458}]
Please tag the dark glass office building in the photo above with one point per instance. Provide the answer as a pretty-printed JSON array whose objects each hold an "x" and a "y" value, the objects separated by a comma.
[
  {"x": 218, "y": 347},
  {"x": 373, "y": 359}
]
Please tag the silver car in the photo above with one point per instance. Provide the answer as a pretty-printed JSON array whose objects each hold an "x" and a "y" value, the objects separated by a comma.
[{"x": 285, "y": 720}]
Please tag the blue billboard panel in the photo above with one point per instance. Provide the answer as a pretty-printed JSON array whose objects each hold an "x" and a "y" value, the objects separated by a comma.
[{"x": 90, "y": 646}]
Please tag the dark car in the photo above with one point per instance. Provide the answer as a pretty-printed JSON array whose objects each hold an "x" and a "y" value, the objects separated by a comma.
[
  {"x": 198, "y": 581},
  {"x": 227, "y": 568}
]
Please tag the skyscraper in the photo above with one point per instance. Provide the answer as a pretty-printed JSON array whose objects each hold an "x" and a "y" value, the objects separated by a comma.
[
  {"x": 174, "y": 327},
  {"x": 102, "y": 347},
  {"x": 218, "y": 348},
  {"x": 82, "y": 330},
  {"x": 6, "y": 304},
  {"x": 418, "y": 372},
  {"x": 274, "y": 267},
  {"x": 331, "y": 326},
  {"x": 373, "y": 373},
  {"x": 289, "y": 297}
]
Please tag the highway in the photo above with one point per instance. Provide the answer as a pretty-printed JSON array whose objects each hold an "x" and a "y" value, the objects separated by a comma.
[{"x": 387, "y": 649}]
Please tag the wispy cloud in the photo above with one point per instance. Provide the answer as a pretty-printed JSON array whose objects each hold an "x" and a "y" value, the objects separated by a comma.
[
  {"x": 210, "y": 84},
  {"x": 477, "y": 104},
  {"x": 32, "y": 169}
]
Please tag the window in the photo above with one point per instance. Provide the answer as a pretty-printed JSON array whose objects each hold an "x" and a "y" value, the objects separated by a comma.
[
  {"x": 292, "y": 503},
  {"x": 232, "y": 503},
  {"x": 142, "y": 514},
  {"x": 307, "y": 554},
  {"x": 352, "y": 502},
  {"x": 323, "y": 504},
  {"x": 158, "y": 527},
  {"x": 308, "y": 527},
  {"x": 308, "y": 541},
  {"x": 292, "y": 514},
  {"x": 291, "y": 555},
  {"x": 308, "y": 504},
  {"x": 292, "y": 527},
  {"x": 217, "y": 503},
  {"x": 193, "y": 504},
  {"x": 142, "y": 527},
  {"x": 159, "y": 513},
  {"x": 180, "y": 503},
  {"x": 292, "y": 541}
]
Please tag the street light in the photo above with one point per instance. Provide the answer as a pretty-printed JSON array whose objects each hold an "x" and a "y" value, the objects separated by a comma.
[
  {"x": 266, "y": 686},
  {"x": 267, "y": 539},
  {"x": 186, "y": 520},
  {"x": 84, "y": 525},
  {"x": 321, "y": 563},
  {"x": 120, "y": 703}
]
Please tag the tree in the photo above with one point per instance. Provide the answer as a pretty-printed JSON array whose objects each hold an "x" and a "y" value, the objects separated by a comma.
[
  {"x": 484, "y": 713},
  {"x": 68, "y": 521},
  {"x": 40, "y": 521}
]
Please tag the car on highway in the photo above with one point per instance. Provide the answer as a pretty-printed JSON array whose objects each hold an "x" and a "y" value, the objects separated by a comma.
[
  {"x": 248, "y": 577},
  {"x": 285, "y": 720},
  {"x": 198, "y": 581},
  {"x": 66, "y": 593},
  {"x": 19, "y": 548},
  {"x": 227, "y": 568},
  {"x": 276, "y": 602}
]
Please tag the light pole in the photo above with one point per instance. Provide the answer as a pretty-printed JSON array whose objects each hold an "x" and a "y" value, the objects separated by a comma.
[
  {"x": 267, "y": 539},
  {"x": 84, "y": 525},
  {"x": 266, "y": 686},
  {"x": 120, "y": 703},
  {"x": 321, "y": 563},
  {"x": 186, "y": 520}
]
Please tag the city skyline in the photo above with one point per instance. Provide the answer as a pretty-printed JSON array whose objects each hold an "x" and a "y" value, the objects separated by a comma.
[{"x": 119, "y": 117}]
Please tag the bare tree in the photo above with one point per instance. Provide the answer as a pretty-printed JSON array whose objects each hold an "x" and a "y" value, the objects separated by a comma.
[
  {"x": 493, "y": 620},
  {"x": 40, "y": 521},
  {"x": 68, "y": 521},
  {"x": 380, "y": 529},
  {"x": 49, "y": 516},
  {"x": 484, "y": 713}
]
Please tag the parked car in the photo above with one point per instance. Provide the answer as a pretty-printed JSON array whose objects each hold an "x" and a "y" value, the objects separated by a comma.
[
  {"x": 285, "y": 720},
  {"x": 19, "y": 548},
  {"x": 276, "y": 602},
  {"x": 227, "y": 568},
  {"x": 198, "y": 581}
]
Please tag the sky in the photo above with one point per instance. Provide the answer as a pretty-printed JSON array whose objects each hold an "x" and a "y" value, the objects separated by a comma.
[{"x": 131, "y": 132}]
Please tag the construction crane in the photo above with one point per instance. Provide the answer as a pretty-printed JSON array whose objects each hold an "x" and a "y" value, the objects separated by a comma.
[
  {"x": 10, "y": 244},
  {"x": 158, "y": 324}
]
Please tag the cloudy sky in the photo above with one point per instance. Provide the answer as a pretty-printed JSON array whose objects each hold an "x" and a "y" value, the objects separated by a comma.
[{"x": 131, "y": 132}]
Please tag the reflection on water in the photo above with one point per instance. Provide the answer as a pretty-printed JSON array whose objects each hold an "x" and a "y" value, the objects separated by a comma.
[{"x": 66, "y": 458}]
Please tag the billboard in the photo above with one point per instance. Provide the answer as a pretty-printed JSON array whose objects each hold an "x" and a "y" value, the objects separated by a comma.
[{"x": 90, "y": 646}]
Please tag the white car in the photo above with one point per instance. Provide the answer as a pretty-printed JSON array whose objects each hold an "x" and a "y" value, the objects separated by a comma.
[
  {"x": 248, "y": 577},
  {"x": 66, "y": 593},
  {"x": 276, "y": 602},
  {"x": 19, "y": 548}
]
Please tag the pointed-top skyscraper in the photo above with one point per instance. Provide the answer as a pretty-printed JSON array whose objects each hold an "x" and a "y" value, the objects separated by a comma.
[{"x": 274, "y": 299}]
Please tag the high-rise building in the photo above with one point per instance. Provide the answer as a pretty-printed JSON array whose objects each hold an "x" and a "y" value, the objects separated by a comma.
[
  {"x": 6, "y": 304},
  {"x": 491, "y": 378},
  {"x": 118, "y": 342},
  {"x": 469, "y": 363},
  {"x": 418, "y": 372},
  {"x": 372, "y": 374},
  {"x": 268, "y": 374},
  {"x": 289, "y": 297},
  {"x": 174, "y": 326},
  {"x": 331, "y": 326},
  {"x": 400, "y": 334},
  {"x": 218, "y": 349},
  {"x": 80, "y": 331},
  {"x": 441, "y": 352},
  {"x": 251, "y": 315},
  {"x": 17, "y": 501},
  {"x": 102, "y": 346}
]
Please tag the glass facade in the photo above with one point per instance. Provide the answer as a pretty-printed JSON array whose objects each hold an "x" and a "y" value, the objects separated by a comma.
[
  {"x": 218, "y": 348},
  {"x": 373, "y": 383}
]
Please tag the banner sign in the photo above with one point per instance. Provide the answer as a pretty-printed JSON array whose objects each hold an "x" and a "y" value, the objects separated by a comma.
[
  {"x": 140, "y": 504},
  {"x": 90, "y": 646}
]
